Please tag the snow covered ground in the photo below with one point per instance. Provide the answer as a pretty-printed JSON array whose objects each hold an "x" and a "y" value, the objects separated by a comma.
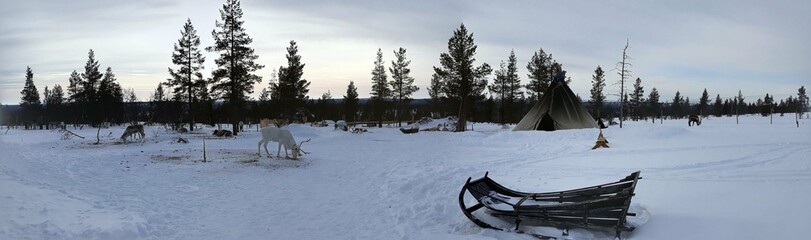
[{"x": 716, "y": 181}]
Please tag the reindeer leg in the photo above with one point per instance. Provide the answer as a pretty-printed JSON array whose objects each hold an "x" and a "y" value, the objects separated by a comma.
[{"x": 266, "y": 150}]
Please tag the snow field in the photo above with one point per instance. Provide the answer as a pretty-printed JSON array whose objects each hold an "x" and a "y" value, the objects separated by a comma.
[{"x": 716, "y": 181}]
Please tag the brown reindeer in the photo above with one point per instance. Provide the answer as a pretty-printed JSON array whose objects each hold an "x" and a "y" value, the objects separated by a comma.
[
  {"x": 132, "y": 131},
  {"x": 693, "y": 119}
]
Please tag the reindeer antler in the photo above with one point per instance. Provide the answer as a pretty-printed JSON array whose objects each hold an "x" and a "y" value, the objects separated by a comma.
[{"x": 302, "y": 142}]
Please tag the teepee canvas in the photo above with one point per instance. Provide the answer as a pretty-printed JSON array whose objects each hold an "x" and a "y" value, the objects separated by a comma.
[{"x": 558, "y": 109}]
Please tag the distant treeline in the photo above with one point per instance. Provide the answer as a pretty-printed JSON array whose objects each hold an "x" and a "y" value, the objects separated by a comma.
[{"x": 173, "y": 112}]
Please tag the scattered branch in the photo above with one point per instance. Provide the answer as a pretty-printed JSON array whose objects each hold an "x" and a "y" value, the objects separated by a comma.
[{"x": 67, "y": 133}]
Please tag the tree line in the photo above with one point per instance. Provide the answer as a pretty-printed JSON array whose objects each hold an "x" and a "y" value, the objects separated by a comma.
[{"x": 458, "y": 87}]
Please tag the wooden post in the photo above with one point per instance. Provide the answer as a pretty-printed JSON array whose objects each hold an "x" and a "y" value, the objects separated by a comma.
[{"x": 204, "y": 150}]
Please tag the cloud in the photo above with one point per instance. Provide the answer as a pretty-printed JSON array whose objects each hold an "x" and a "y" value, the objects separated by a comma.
[{"x": 675, "y": 45}]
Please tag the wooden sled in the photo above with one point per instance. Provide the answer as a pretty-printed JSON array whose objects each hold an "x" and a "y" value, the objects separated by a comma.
[{"x": 601, "y": 207}]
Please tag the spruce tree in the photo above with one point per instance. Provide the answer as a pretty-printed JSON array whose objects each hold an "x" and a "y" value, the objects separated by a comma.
[
  {"x": 131, "y": 109},
  {"x": 402, "y": 84},
  {"x": 351, "y": 102},
  {"x": 461, "y": 80},
  {"x": 291, "y": 89},
  {"x": 233, "y": 79},
  {"x": 54, "y": 103},
  {"x": 540, "y": 74},
  {"x": 719, "y": 105},
  {"x": 597, "y": 97},
  {"x": 703, "y": 102},
  {"x": 498, "y": 87},
  {"x": 513, "y": 85},
  {"x": 637, "y": 98},
  {"x": 687, "y": 107},
  {"x": 269, "y": 96},
  {"x": 30, "y": 102},
  {"x": 380, "y": 87},
  {"x": 187, "y": 57},
  {"x": 158, "y": 104},
  {"x": 767, "y": 105},
  {"x": 653, "y": 102},
  {"x": 90, "y": 84},
  {"x": 676, "y": 106},
  {"x": 324, "y": 104},
  {"x": 75, "y": 99},
  {"x": 740, "y": 106},
  {"x": 802, "y": 98},
  {"x": 110, "y": 96}
]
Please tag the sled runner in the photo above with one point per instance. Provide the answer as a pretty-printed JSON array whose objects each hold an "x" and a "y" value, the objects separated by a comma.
[{"x": 600, "y": 207}]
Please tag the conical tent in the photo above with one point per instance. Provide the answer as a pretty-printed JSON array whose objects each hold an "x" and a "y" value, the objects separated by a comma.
[{"x": 558, "y": 109}]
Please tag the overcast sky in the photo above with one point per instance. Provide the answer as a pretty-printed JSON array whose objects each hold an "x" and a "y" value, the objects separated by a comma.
[{"x": 758, "y": 47}]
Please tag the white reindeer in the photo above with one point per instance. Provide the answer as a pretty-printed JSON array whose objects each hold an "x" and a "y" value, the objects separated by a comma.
[{"x": 284, "y": 138}]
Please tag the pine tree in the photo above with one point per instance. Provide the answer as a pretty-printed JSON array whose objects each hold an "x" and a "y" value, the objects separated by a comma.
[
  {"x": 30, "y": 102},
  {"x": 507, "y": 86},
  {"x": 461, "y": 80},
  {"x": 719, "y": 105},
  {"x": 540, "y": 74},
  {"x": 380, "y": 87},
  {"x": 597, "y": 97},
  {"x": 190, "y": 61},
  {"x": 637, "y": 98},
  {"x": 402, "y": 85},
  {"x": 351, "y": 102},
  {"x": 703, "y": 102},
  {"x": 291, "y": 88},
  {"x": 75, "y": 87},
  {"x": 653, "y": 102},
  {"x": 324, "y": 105},
  {"x": 233, "y": 79},
  {"x": 802, "y": 98}
]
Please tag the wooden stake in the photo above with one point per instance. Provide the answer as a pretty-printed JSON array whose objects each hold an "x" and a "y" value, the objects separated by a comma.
[
  {"x": 204, "y": 150},
  {"x": 601, "y": 141}
]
